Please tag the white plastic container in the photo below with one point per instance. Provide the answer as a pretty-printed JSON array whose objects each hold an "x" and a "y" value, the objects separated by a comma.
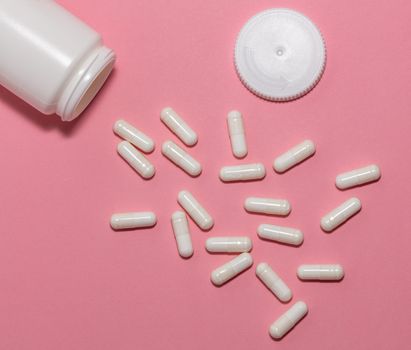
[{"x": 50, "y": 58}]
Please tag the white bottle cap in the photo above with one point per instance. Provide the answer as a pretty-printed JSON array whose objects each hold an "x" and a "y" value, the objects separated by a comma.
[{"x": 280, "y": 55}]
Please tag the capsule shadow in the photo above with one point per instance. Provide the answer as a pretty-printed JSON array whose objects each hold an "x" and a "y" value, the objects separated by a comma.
[
  {"x": 241, "y": 181},
  {"x": 342, "y": 224},
  {"x": 201, "y": 229},
  {"x": 299, "y": 163},
  {"x": 321, "y": 281},
  {"x": 176, "y": 166},
  {"x": 132, "y": 229},
  {"x": 227, "y": 253},
  {"x": 357, "y": 186},
  {"x": 281, "y": 243},
  {"x": 232, "y": 279},
  {"x": 282, "y": 302},
  {"x": 268, "y": 215},
  {"x": 186, "y": 257},
  {"x": 188, "y": 146},
  {"x": 278, "y": 340},
  {"x": 139, "y": 149},
  {"x": 134, "y": 170},
  {"x": 192, "y": 176}
]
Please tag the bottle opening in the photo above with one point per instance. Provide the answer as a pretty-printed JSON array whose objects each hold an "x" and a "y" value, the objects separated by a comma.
[
  {"x": 92, "y": 91},
  {"x": 82, "y": 91}
]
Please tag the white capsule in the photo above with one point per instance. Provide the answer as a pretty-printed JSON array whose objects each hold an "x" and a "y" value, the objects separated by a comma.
[
  {"x": 320, "y": 272},
  {"x": 131, "y": 134},
  {"x": 182, "y": 234},
  {"x": 178, "y": 126},
  {"x": 267, "y": 206},
  {"x": 358, "y": 177},
  {"x": 294, "y": 156},
  {"x": 136, "y": 159},
  {"x": 273, "y": 282},
  {"x": 181, "y": 158},
  {"x": 288, "y": 320},
  {"x": 237, "y": 135},
  {"x": 280, "y": 234},
  {"x": 245, "y": 172},
  {"x": 123, "y": 221},
  {"x": 229, "y": 244},
  {"x": 195, "y": 210},
  {"x": 340, "y": 214},
  {"x": 231, "y": 269}
]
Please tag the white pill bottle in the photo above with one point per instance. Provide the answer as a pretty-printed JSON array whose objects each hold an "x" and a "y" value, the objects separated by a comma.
[{"x": 50, "y": 58}]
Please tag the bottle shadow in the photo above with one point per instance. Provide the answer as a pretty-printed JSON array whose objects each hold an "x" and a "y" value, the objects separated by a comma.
[{"x": 49, "y": 122}]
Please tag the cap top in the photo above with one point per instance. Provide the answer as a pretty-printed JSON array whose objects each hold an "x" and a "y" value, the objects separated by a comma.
[{"x": 280, "y": 54}]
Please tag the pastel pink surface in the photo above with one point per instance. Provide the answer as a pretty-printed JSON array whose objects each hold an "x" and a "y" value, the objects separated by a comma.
[{"x": 69, "y": 282}]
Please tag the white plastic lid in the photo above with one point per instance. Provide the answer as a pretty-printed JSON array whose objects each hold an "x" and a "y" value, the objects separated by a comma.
[{"x": 280, "y": 55}]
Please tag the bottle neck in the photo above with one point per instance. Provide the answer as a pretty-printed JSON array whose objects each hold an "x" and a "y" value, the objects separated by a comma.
[{"x": 86, "y": 83}]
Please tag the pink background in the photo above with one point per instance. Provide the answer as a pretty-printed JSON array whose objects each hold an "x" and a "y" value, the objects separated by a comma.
[{"x": 67, "y": 281}]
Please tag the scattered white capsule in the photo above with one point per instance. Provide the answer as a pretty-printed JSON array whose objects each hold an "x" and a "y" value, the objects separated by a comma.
[
  {"x": 182, "y": 234},
  {"x": 320, "y": 272},
  {"x": 181, "y": 158},
  {"x": 288, "y": 320},
  {"x": 231, "y": 269},
  {"x": 294, "y": 156},
  {"x": 131, "y": 134},
  {"x": 273, "y": 282},
  {"x": 280, "y": 234},
  {"x": 178, "y": 126},
  {"x": 136, "y": 159},
  {"x": 237, "y": 135},
  {"x": 195, "y": 210},
  {"x": 358, "y": 177},
  {"x": 229, "y": 244},
  {"x": 123, "y": 221},
  {"x": 267, "y": 206},
  {"x": 340, "y": 214},
  {"x": 245, "y": 172}
]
